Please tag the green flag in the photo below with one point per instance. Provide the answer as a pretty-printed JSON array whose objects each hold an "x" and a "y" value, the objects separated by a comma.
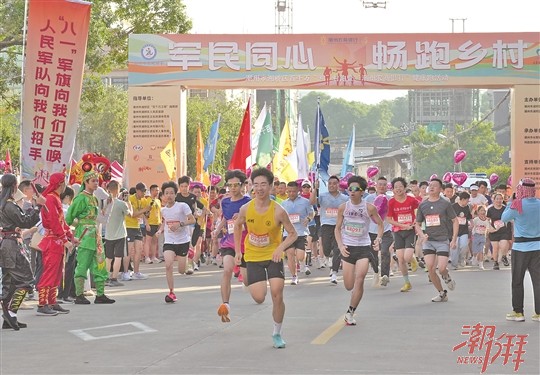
[{"x": 266, "y": 142}]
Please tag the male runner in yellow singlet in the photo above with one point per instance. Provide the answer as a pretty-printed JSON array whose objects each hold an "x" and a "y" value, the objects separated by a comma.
[{"x": 263, "y": 245}]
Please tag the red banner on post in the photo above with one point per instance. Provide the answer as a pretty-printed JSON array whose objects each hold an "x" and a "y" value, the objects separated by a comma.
[{"x": 54, "y": 66}]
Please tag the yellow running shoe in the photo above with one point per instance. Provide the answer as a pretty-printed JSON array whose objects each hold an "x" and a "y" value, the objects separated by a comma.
[
  {"x": 536, "y": 317},
  {"x": 406, "y": 287},
  {"x": 515, "y": 316},
  {"x": 414, "y": 264}
]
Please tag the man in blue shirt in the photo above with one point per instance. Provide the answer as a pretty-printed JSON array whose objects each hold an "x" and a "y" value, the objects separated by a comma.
[
  {"x": 300, "y": 213},
  {"x": 525, "y": 211}
]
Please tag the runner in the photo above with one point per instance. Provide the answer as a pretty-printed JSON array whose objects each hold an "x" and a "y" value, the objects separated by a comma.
[
  {"x": 401, "y": 215},
  {"x": 264, "y": 247},
  {"x": 176, "y": 217},
  {"x": 230, "y": 207},
  {"x": 437, "y": 213},
  {"x": 353, "y": 240},
  {"x": 300, "y": 213}
]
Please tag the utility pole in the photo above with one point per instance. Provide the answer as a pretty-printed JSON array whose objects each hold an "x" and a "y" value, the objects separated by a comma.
[{"x": 462, "y": 23}]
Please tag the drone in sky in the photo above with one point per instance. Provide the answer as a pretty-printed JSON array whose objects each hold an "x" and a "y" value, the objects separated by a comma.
[{"x": 374, "y": 4}]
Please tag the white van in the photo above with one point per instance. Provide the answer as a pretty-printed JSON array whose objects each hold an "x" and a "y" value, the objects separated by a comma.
[{"x": 473, "y": 178}]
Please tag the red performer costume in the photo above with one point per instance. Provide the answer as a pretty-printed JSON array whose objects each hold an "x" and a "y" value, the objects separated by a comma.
[{"x": 57, "y": 237}]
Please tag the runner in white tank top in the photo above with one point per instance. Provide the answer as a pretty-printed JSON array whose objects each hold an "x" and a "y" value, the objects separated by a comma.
[{"x": 352, "y": 237}]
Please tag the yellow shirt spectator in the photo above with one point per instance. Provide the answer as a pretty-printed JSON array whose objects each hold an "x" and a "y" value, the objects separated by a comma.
[
  {"x": 155, "y": 213},
  {"x": 137, "y": 204}
]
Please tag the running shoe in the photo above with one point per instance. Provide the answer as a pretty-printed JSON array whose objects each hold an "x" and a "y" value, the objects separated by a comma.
[
  {"x": 60, "y": 309},
  {"x": 103, "y": 299},
  {"x": 496, "y": 266},
  {"x": 223, "y": 312},
  {"x": 385, "y": 280},
  {"x": 278, "y": 341},
  {"x": 115, "y": 282},
  {"x": 421, "y": 264},
  {"x": 516, "y": 317},
  {"x": 406, "y": 287},
  {"x": 81, "y": 300},
  {"x": 125, "y": 276},
  {"x": 414, "y": 264},
  {"x": 441, "y": 297},
  {"x": 139, "y": 276},
  {"x": 189, "y": 271},
  {"x": 195, "y": 267},
  {"x": 240, "y": 278},
  {"x": 307, "y": 271},
  {"x": 535, "y": 318},
  {"x": 170, "y": 298},
  {"x": 156, "y": 260},
  {"x": 46, "y": 311},
  {"x": 294, "y": 280},
  {"x": 147, "y": 260},
  {"x": 349, "y": 319},
  {"x": 481, "y": 266},
  {"x": 505, "y": 261},
  {"x": 450, "y": 283},
  {"x": 333, "y": 279}
]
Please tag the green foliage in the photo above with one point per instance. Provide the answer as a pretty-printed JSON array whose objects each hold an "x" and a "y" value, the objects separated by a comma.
[
  {"x": 204, "y": 112},
  {"x": 431, "y": 154},
  {"x": 9, "y": 135},
  {"x": 340, "y": 115},
  {"x": 103, "y": 119}
]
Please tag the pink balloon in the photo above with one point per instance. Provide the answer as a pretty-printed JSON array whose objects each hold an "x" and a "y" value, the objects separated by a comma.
[
  {"x": 248, "y": 172},
  {"x": 371, "y": 183},
  {"x": 311, "y": 176},
  {"x": 493, "y": 178},
  {"x": 215, "y": 179},
  {"x": 343, "y": 183},
  {"x": 459, "y": 178},
  {"x": 447, "y": 177},
  {"x": 433, "y": 176},
  {"x": 381, "y": 202},
  {"x": 389, "y": 186},
  {"x": 509, "y": 181},
  {"x": 372, "y": 171},
  {"x": 2, "y": 164},
  {"x": 348, "y": 175},
  {"x": 459, "y": 155}
]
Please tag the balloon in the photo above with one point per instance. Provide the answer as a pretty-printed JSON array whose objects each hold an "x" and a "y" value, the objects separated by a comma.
[
  {"x": 493, "y": 178},
  {"x": 215, "y": 179},
  {"x": 343, "y": 183},
  {"x": 459, "y": 155},
  {"x": 348, "y": 175},
  {"x": 311, "y": 176},
  {"x": 509, "y": 181},
  {"x": 371, "y": 183},
  {"x": 372, "y": 171},
  {"x": 248, "y": 172},
  {"x": 459, "y": 178},
  {"x": 433, "y": 176},
  {"x": 447, "y": 177},
  {"x": 381, "y": 202},
  {"x": 389, "y": 186},
  {"x": 2, "y": 164}
]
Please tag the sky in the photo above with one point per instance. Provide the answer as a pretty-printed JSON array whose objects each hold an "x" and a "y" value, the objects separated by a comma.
[{"x": 349, "y": 16}]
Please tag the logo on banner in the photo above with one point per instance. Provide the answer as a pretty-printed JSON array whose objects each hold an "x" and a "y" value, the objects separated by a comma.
[
  {"x": 137, "y": 148},
  {"x": 148, "y": 52}
]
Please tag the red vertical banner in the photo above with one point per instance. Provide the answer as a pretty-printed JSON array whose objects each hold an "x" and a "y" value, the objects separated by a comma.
[{"x": 54, "y": 66}]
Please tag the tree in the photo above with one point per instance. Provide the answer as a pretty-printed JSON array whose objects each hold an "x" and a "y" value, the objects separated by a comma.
[
  {"x": 9, "y": 135},
  {"x": 431, "y": 154},
  {"x": 503, "y": 171},
  {"x": 204, "y": 112},
  {"x": 103, "y": 119}
]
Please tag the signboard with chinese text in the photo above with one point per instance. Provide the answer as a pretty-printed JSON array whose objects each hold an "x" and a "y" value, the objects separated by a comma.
[
  {"x": 154, "y": 118},
  {"x": 55, "y": 54},
  {"x": 525, "y": 149},
  {"x": 325, "y": 61}
]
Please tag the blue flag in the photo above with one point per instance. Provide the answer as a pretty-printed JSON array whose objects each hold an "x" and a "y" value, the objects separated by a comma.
[
  {"x": 322, "y": 142},
  {"x": 348, "y": 160},
  {"x": 211, "y": 144}
]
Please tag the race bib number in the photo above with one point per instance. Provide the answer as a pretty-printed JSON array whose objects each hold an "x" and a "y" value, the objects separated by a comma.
[
  {"x": 170, "y": 224},
  {"x": 294, "y": 218},
  {"x": 331, "y": 212},
  {"x": 404, "y": 218},
  {"x": 462, "y": 220},
  {"x": 259, "y": 241},
  {"x": 230, "y": 226},
  {"x": 433, "y": 221},
  {"x": 354, "y": 229},
  {"x": 498, "y": 224}
]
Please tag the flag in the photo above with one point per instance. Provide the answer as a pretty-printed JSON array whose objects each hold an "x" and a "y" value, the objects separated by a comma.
[
  {"x": 266, "y": 142},
  {"x": 322, "y": 142},
  {"x": 348, "y": 160},
  {"x": 211, "y": 144},
  {"x": 201, "y": 175},
  {"x": 168, "y": 155},
  {"x": 9, "y": 166},
  {"x": 301, "y": 150},
  {"x": 281, "y": 166},
  {"x": 256, "y": 132},
  {"x": 241, "y": 157}
]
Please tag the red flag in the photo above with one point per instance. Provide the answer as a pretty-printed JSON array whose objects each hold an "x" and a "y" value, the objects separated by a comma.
[
  {"x": 242, "y": 151},
  {"x": 9, "y": 167}
]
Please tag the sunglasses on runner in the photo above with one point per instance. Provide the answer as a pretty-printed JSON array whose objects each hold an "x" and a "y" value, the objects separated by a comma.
[
  {"x": 234, "y": 184},
  {"x": 354, "y": 188}
]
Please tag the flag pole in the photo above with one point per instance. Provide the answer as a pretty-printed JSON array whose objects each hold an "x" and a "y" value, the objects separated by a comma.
[{"x": 318, "y": 146}]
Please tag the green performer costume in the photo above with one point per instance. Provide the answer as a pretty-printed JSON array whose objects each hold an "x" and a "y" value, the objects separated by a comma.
[{"x": 83, "y": 214}]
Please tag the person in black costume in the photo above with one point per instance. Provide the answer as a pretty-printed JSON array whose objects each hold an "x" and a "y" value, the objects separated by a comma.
[{"x": 17, "y": 274}]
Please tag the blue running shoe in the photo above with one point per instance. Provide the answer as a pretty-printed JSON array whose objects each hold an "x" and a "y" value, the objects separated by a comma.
[{"x": 278, "y": 341}]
